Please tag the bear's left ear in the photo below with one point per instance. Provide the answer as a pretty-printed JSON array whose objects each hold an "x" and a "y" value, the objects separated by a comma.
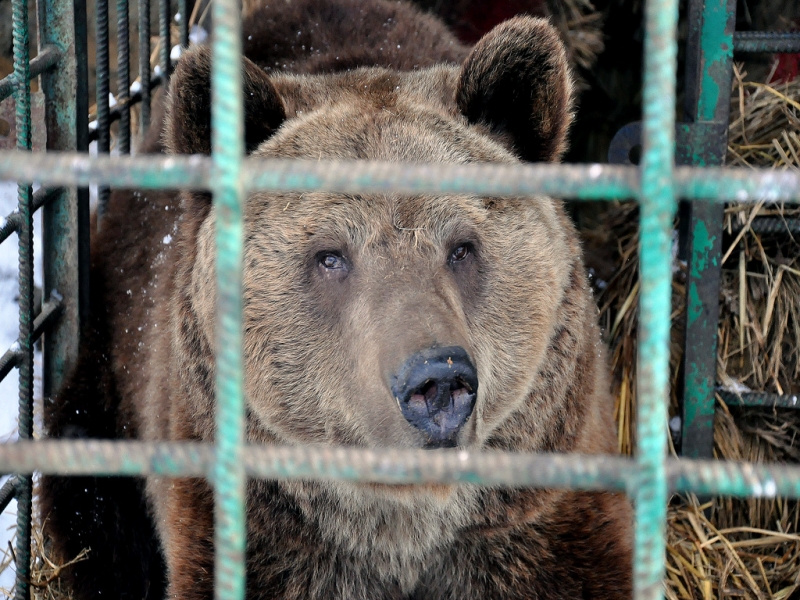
[
  {"x": 188, "y": 122},
  {"x": 517, "y": 82}
]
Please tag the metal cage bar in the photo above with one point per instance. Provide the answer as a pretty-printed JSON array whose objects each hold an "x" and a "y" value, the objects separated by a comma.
[
  {"x": 657, "y": 202},
  {"x": 144, "y": 64},
  {"x": 229, "y": 478},
  {"x": 708, "y": 79},
  {"x": 24, "y": 350},
  {"x": 123, "y": 77},
  {"x": 579, "y": 182}
]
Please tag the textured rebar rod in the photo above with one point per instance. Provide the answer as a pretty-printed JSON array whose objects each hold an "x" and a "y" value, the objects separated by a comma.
[
  {"x": 10, "y": 224},
  {"x": 135, "y": 97},
  {"x": 727, "y": 478},
  {"x": 8, "y": 492},
  {"x": 580, "y": 182},
  {"x": 396, "y": 466},
  {"x": 50, "y": 311},
  {"x": 24, "y": 351},
  {"x": 652, "y": 378},
  {"x": 144, "y": 64},
  {"x": 123, "y": 77},
  {"x": 47, "y": 58},
  {"x": 760, "y": 399},
  {"x": 771, "y": 225},
  {"x": 103, "y": 91},
  {"x": 183, "y": 10},
  {"x": 165, "y": 43},
  {"x": 766, "y": 41},
  {"x": 227, "y": 143}
]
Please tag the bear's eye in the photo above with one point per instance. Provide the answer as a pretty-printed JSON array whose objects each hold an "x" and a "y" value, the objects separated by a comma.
[
  {"x": 331, "y": 261},
  {"x": 460, "y": 253}
]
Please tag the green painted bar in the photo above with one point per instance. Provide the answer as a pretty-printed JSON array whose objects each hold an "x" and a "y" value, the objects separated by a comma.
[
  {"x": 652, "y": 379},
  {"x": 227, "y": 143},
  {"x": 65, "y": 217},
  {"x": 395, "y": 466},
  {"x": 711, "y": 35},
  {"x": 579, "y": 182}
]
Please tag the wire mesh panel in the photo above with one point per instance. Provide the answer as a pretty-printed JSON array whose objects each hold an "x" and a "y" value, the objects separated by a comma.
[{"x": 657, "y": 185}]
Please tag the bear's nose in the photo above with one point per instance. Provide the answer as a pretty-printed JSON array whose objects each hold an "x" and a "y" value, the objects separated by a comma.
[{"x": 436, "y": 390}]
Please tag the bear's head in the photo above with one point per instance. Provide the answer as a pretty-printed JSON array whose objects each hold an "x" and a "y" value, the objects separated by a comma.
[{"x": 388, "y": 320}]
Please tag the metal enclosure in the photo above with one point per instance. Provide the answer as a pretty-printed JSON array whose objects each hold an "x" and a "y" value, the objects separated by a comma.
[{"x": 66, "y": 170}]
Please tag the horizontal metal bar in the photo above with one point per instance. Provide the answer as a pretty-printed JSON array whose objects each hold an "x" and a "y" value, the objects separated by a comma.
[
  {"x": 728, "y": 478},
  {"x": 766, "y": 41},
  {"x": 584, "y": 182},
  {"x": 283, "y": 462},
  {"x": 760, "y": 399},
  {"x": 8, "y": 492},
  {"x": 771, "y": 225},
  {"x": 47, "y": 58},
  {"x": 115, "y": 113},
  {"x": 50, "y": 312},
  {"x": 10, "y": 224},
  {"x": 394, "y": 466}
]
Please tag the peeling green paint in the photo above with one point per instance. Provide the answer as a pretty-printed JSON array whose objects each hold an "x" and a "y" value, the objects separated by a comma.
[{"x": 717, "y": 49}]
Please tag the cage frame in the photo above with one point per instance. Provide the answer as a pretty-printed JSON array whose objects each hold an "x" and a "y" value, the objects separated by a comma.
[{"x": 66, "y": 170}]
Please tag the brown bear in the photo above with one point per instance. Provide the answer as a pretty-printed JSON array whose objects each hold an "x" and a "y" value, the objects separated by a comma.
[{"x": 372, "y": 321}]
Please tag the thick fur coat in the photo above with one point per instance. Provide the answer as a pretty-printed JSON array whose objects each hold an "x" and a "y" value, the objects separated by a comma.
[{"x": 338, "y": 292}]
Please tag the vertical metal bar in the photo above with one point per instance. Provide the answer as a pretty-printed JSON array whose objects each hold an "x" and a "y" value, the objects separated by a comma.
[
  {"x": 708, "y": 84},
  {"x": 123, "y": 78},
  {"x": 657, "y": 209},
  {"x": 65, "y": 217},
  {"x": 103, "y": 123},
  {"x": 22, "y": 98},
  {"x": 144, "y": 63},
  {"x": 164, "y": 19},
  {"x": 183, "y": 10},
  {"x": 228, "y": 151}
]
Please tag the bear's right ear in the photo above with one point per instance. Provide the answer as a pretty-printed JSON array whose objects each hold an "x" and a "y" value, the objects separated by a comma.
[
  {"x": 517, "y": 83},
  {"x": 188, "y": 122}
]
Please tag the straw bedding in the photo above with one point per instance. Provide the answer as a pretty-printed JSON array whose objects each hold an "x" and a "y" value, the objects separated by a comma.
[{"x": 726, "y": 547}]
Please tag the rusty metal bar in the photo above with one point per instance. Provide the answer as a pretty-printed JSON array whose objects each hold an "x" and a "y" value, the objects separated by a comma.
[{"x": 707, "y": 103}]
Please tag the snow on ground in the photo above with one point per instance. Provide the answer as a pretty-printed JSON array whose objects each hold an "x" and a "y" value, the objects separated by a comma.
[{"x": 9, "y": 330}]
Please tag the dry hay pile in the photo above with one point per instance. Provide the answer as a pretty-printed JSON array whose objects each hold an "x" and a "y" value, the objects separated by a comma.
[{"x": 726, "y": 548}]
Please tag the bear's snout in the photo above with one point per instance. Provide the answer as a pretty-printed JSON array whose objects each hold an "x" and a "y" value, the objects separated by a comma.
[{"x": 436, "y": 390}]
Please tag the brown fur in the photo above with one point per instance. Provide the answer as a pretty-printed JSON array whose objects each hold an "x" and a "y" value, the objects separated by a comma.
[{"x": 319, "y": 346}]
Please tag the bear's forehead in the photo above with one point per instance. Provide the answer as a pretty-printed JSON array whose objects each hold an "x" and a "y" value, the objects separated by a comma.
[
  {"x": 375, "y": 114},
  {"x": 370, "y": 216}
]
